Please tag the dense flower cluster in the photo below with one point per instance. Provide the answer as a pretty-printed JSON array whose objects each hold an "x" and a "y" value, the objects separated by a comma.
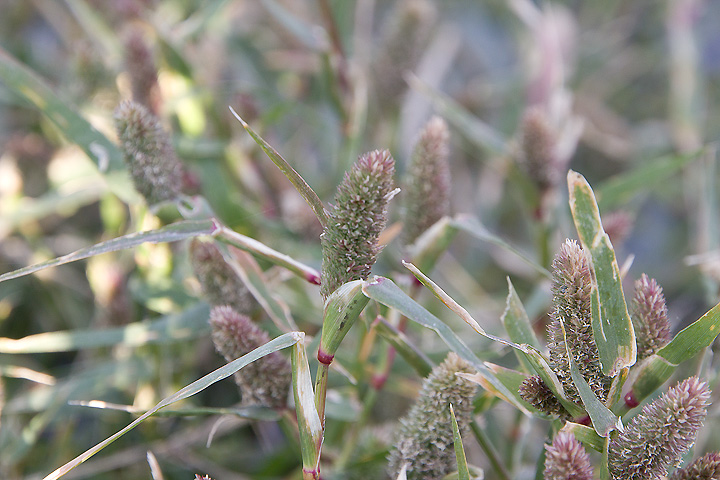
[
  {"x": 661, "y": 434},
  {"x": 426, "y": 194},
  {"x": 424, "y": 441},
  {"x": 263, "y": 382},
  {"x": 350, "y": 240},
  {"x": 566, "y": 459}
]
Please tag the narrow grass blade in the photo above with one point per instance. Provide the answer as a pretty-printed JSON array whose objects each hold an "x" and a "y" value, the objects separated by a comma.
[
  {"x": 531, "y": 354},
  {"x": 620, "y": 189},
  {"x": 27, "y": 85},
  {"x": 612, "y": 328},
  {"x": 384, "y": 291},
  {"x": 429, "y": 246},
  {"x": 342, "y": 309},
  {"x": 473, "y": 226},
  {"x": 654, "y": 371},
  {"x": 32, "y": 209},
  {"x": 298, "y": 182},
  {"x": 587, "y": 435},
  {"x": 171, "y": 233},
  {"x": 309, "y": 422},
  {"x": 225, "y": 371},
  {"x": 255, "y": 247},
  {"x": 508, "y": 377},
  {"x": 689, "y": 342},
  {"x": 604, "y": 421},
  {"x": 188, "y": 324},
  {"x": 306, "y": 33},
  {"x": 463, "y": 472},
  {"x": 474, "y": 129},
  {"x": 517, "y": 324},
  {"x": 693, "y": 338},
  {"x": 253, "y": 412},
  {"x": 245, "y": 266},
  {"x": 97, "y": 29},
  {"x": 415, "y": 357}
]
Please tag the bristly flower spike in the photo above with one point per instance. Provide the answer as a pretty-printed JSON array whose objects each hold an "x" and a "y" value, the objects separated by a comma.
[
  {"x": 650, "y": 317},
  {"x": 264, "y": 382},
  {"x": 154, "y": 167},
  {"x": 426, "y": 195},
  {"x": 140, "y": 66},
  {"x": 404, "y": 37},
  {"x": 572, "y": 298},
  {"x": 661, "y": 434},
  {"x": 706, "y": 467},
  {"x": 425, "y": 438},
  {"x": 534, "y": 391},
  {"x": 566, "y": 459},
  {"x": 219, "y": 283},
  {"x": 350, "y": 239}
]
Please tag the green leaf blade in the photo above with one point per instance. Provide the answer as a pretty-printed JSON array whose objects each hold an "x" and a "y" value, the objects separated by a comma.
[
  {"x": 612, "y": 327},
  {"x": 384, "y": 291},
  {"x": 221, "y": 373},
  {"x": 171, "y": 233}
]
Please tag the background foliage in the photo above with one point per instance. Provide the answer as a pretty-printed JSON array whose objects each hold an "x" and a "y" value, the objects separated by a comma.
[{"x": 306, "y": 75}]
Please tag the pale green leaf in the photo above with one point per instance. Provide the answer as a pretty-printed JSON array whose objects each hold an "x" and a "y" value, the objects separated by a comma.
[
  {"x": 252, "y": 412},
  {"x": 171, "y": 233},
  {"x": 384, "y": 291},
  {"x": 225, "y": 371},
  {"x": 651, "y": 174},
  {"x": 415, "y": 357},
  {"x": 342, "y": 309},
  {"x": 255, "y": 247},
  {"x": 462, "y": 466},
  {"x": 432, "y": 243},
  {"x": 612, "y": 327},
  {"x": 587, "y": 435},
  {"x": 517, "y": 324},
  {"x": 693, "y": 338},
  {"x": 298, "y": 182},
  {"x": 245, "y": 266},
  {"x": 473, "y": 226},
  {"x": 310, "y": 424},
  {"x": 181, "y": 326},
  {"x": 531, "y": 354},
  {"x": 474, "y": 129}
]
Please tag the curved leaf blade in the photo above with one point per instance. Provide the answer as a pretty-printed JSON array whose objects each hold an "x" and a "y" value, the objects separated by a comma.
[
  {"x": 283, "y": 341},
  {"x": 384, "y": 291},
  {"x": 171, "y": 233}
]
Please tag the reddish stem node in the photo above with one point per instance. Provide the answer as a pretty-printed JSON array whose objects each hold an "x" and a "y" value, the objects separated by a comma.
[{"x": 324, "y": 358}]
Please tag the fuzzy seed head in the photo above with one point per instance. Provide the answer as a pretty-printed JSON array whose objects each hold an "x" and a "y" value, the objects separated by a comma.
[
  {"x": 350, "y": 240},
  {"x": 572, "y": 296},
  {"x": 650, "y": 317},
  {"x": 538, "y": 156},
  {"x": 427, "y": 186},
  {"x": 404, "y": 37},
  {"x": 661, "y": 434},
  {"x": 154, "y": 168},
  {"x": 263, "y": 382},
  {"x": 566, "y": 459},
  {"x": 425, "y": 438},
  {"x": 219, "y": 283},
  {"x": 140, "y": 66},
  {"x": 706, "y": 467},
  {"x": 534, "y": 391}
]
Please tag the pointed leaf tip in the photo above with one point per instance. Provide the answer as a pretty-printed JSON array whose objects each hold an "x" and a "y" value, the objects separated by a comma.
[{"x": 235, "y": 114}]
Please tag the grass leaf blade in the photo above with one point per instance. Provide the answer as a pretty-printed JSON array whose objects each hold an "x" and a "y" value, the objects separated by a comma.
[
  {"x": 612, "y": 328},
  {"x": 171, "y": 233}
]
